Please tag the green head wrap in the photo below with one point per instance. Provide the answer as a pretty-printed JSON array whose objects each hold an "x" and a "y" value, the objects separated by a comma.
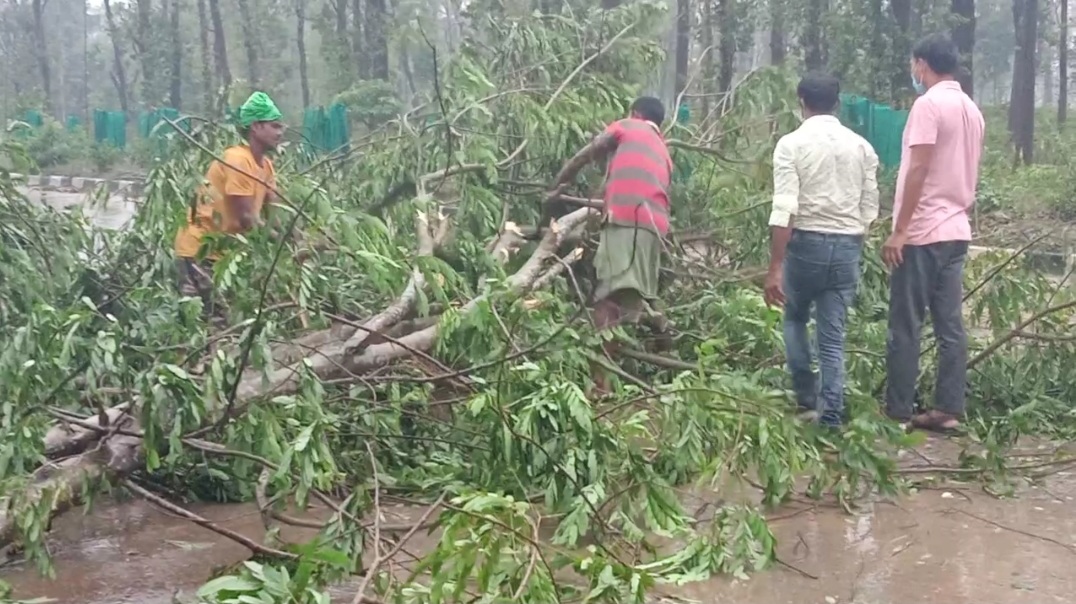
[{"x": 258, "y": 108}]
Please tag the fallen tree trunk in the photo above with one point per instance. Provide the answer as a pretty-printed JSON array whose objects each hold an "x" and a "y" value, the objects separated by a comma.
[{"x": 61, "y": 485}]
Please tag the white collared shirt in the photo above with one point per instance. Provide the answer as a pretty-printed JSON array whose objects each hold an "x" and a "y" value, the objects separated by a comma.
[{"x": 826, "y": 176}]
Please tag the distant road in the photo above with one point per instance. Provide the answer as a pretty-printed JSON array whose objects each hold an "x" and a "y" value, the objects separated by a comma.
[{"x": 114, "y": 215}]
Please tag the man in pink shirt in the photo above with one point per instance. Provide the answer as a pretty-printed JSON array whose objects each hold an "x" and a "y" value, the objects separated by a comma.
[{"x": 939, "y": 169}]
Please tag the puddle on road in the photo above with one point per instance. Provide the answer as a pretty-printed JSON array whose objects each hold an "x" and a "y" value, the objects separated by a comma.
[{"x": 960, "y": 547}]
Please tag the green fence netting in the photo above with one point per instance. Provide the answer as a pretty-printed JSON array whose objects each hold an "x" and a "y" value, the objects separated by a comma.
[
  {"x": 325, "y": 130},
  {"x": 74, "y": 122},
  {"x": 110, "y": 127},
  {"x": 34, "y": 118},
  {"x": 881, "y": 125}
]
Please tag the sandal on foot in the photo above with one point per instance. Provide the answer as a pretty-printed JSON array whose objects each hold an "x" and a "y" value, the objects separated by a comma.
[{"x": 937, "y": 422}]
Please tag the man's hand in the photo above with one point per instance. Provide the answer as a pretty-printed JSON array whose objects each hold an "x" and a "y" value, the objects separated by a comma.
[
  {"x": 773, "y": 294},
  {"x": 893, "y": 250}
]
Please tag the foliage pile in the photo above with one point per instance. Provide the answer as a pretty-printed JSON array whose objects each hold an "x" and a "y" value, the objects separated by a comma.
[{"x": 436, "y": 353}]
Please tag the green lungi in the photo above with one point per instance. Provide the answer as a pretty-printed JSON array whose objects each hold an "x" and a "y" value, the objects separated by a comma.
[{"x": 628, "y": 261}]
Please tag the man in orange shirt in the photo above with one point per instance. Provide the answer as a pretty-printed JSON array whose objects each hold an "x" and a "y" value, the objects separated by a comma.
[{"x": 231, "y": 199}]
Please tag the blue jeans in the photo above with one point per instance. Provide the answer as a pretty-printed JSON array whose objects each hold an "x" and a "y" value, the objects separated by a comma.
[{"x": 821, "y": 269}]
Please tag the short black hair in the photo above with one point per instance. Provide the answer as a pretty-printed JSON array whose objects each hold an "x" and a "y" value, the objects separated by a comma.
[
  {"x": 649, "y": 108},
  {"x": 820, "y": 92},
  {"x": 940, "y": 53}
]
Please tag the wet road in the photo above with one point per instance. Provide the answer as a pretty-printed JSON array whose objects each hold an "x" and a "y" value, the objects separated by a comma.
[
  {"x": 955, "y": 544},
  {"x": 112, "y": 212}
]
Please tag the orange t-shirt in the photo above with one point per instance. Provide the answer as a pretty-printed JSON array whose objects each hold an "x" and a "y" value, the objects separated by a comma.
[{"x": 213, "y": 213}]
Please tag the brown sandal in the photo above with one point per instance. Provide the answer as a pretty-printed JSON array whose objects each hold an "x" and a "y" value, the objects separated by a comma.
[{"x": 937, "y": 422}]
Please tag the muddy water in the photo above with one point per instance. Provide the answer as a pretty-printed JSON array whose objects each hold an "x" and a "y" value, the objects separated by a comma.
[{"x": 954, "y": 544}]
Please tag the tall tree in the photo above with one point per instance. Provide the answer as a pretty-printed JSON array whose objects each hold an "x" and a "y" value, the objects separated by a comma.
[
  {"x": 683, "y": 43},
  {"x": 300, "y": 38},
  {"x": 1063, "y": 65},
  {"x": 119, "y": 73},
  {"x": 207, "y": 69},
  {"x": 963, "y": 34},
  {"x": 902, "y": 43},
  {"x": 1022, "y": 104},
  {"x": 726, "y": 23},
  {"x": 778, "y": 43},
  {"x": 377, "y": 41},
  {"x": 144, "y": 47},
  {"x": 250, "y": 42},
  {"x": 41, "y": 52},
  {"x": 220, "y": 52},
  {"x": 358, "y": 40},
  {"x": 176, "y": 72},
  {"x": 814, "y": 51}
]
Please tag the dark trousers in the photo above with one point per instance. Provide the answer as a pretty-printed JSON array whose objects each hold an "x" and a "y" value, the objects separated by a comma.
[
  {"x": 931, "y": 277},
  {"x": 821, "y": 270}
]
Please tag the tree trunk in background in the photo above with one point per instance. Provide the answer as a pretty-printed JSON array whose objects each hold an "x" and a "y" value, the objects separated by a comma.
[
  {"x": 683, "y": 45},
  {"x": 610, "y": 4},
  {"x": 300, "y": 38},
  {"x": 377, "y": 43},
  {"x": 176, "y": 73},
  {"x": 119, "y": 74},
  {"x": 778, "y": 43},
  {"x": 1063, "y": 65},
  {"x": 220, "y": 53},
  {"x": 250, "y": 43},
  {"x": 709, "y": 65},
  {"x": 143, "y": 41},
  {"x": 41, "y": 52},
  {"x": 1046, "y": 61},
  {"x": 726, "y": 55},
  {"x": 358, "y": 40},
  {"x": 902, "y": 45},
  {"x": 1022, "y": 106},
  {"x": 963, "y": 34},
  {"x": 879, "y": 79},
  {"x": 207, "y": 70},
  {"x": 813, "y": 50}
]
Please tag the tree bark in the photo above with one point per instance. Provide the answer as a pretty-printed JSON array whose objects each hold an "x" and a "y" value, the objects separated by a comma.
[
  {"x": 1022, "y": 105},
  {"x": 250, "y": 42},
  {"x": 41, "y": 52},
  {"x": 175, "y": 90},
  {"x": 709, "y": 64},
  {"x": 813, "y": 36},
  {"x": 683, "y": 44},
  {"x": 963, "y": 35},
  {"x": 1063, "y": 65},
  {"x": 300, "y": 38},
  {"x": 220, "y": 53},
  {"x": 377, "y": 39},
  {"x": 358, "y": 40},
  {"x": 726, "y": 23},
  {"x": 207, "y": 69},
  {"x": 119, "y": 74},
  {"x": 902, "y": 45},
  {"x": 778, "y": 43},
  {"x": 143, "y": 40}
]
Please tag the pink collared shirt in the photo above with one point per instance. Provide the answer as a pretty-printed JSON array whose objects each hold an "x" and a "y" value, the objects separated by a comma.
[{"x": 948, "y": 119}]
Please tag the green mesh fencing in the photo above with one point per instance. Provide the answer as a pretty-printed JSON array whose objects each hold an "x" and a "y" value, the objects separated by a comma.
[
  {"x": 152, "y": 126},
  {"x": 881, "y": 125},
  {"x": 325, "y": 130},
  {"x": 34, "y": 118},
  {"x": 110, "y": 127},
  {"x": 74, "y": 122}
]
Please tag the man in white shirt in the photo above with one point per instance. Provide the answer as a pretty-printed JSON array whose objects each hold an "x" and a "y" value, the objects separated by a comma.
[{"x": 824, "y": 199}]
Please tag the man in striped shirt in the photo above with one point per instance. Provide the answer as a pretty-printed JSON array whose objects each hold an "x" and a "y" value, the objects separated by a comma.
[{"x": 636, "y": 215}]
